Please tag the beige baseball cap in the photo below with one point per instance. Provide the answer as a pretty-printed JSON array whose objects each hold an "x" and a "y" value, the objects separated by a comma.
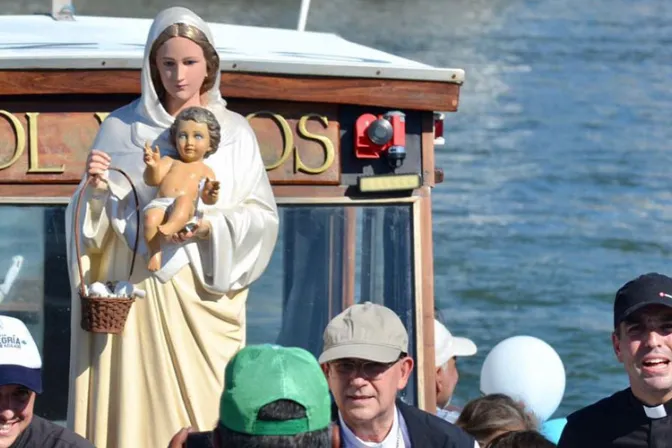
[{"x": 365, "y": 331}]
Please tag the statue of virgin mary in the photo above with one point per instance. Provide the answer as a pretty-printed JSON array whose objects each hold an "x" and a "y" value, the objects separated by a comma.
[{"x": 165, "y": 371}]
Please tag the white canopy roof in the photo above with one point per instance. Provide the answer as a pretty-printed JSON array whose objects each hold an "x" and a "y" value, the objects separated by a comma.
[{"x": 40, "y": 42}]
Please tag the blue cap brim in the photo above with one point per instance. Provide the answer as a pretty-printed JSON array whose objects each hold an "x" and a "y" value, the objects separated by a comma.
[{"x": 30, "y": 378}]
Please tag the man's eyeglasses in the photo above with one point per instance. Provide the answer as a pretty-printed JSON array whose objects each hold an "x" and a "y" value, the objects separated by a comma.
[{"x": 367, "y": 369}]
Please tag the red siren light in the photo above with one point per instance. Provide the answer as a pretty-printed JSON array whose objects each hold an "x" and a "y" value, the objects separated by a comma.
[{"x": 383, "y": 134}]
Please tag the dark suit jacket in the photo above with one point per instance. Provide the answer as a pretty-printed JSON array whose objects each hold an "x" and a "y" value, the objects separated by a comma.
[{"x": 426, "y": 430}]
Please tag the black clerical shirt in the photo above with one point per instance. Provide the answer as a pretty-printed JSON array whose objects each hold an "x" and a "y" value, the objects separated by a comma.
[{"x": 619, "y": 421}]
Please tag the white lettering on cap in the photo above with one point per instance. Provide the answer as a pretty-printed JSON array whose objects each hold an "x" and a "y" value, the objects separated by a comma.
[{"x": 17, "y": 346}]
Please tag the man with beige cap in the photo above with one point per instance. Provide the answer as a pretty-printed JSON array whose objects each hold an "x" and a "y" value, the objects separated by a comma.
[
  {"x": 365, "y": 358},
  {"x": 446, "y": 350}
]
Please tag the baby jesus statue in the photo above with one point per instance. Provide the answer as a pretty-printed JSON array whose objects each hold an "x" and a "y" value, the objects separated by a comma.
[{"x": 196, "y": 134}]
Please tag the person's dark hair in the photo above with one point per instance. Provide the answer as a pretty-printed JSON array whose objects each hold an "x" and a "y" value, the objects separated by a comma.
[
  {"x": 488, "y": 416},
  {"x": 279, "y": 410},
  {"x": 521, "y": 439},
  {"x": 199, "y": 115}
]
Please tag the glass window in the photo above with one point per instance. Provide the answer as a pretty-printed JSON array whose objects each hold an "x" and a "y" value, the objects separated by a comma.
[
  {"x": 326, "y": 258},
  {"x": 36, "y": 290}
]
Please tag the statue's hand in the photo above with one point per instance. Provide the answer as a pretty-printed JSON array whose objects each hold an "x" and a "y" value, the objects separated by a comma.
[
  {"x": 210, "y": 191},
  {"x": 97, "y": 163},
  {"x": 199, "y": 230},
  {"x": 151, "y": 156}
]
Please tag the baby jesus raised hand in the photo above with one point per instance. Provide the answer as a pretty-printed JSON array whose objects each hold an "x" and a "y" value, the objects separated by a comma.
[{"x": 195, "y": 134}]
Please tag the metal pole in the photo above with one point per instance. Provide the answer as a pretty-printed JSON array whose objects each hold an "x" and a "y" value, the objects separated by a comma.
[{"x": 303, "y": 15}]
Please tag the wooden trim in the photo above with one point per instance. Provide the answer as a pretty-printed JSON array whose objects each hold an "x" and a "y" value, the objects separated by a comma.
[
  {"x": 30, "y": 193},
  {"x": 420, "y": 352},
  {"x": 349, "y": 257},
  {"x": 424, "y": 300},
  {"x": 400, "y": 94},
  {"x": 291, "y": 191},
  {"x": 322, "y": 194},
  {"x": 284, "y": 194},
  {"x": 37, "y": 200},
  {"x": 302, "y": 199},
  {"x": 428, "y": 156},
  {"x": 330, "y": 275}
]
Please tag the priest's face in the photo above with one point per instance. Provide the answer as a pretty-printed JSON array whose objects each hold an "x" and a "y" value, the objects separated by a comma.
[
  {"x": 643, "y": 343},
  {"x": 182, "y": 67},
  {"x": 16, "y": 412}
]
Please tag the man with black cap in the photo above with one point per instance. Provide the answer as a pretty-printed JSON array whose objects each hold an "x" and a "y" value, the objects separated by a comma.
[
  {"x": 20, "y": 381},
  {"x": 365, "y": 358},
  {"x": 641, "y": 415}
]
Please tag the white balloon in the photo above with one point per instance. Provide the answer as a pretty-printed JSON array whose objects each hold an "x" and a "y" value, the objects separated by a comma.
[{"x": 527, "y": 369}]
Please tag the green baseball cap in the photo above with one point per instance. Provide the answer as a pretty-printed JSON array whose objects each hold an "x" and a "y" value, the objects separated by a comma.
[{"x": 261, "y": 374}]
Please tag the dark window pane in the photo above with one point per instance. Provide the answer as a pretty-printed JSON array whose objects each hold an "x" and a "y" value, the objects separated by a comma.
[
  {"x": 305, "y": 283},
  {"x": 40, "y": 293}
]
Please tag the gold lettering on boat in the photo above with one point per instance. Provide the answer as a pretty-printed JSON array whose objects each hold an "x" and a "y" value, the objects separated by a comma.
[
  {"x": 101, "y": 116},
  {"x": 288, "y": 141},
  {"x": 286, "y": 132},
  {"x": 328, "y": 145},
  {"x": 33, "y": 153},
  {"x": 19, "y": 138},
  {"x": 52, "y": 146}
]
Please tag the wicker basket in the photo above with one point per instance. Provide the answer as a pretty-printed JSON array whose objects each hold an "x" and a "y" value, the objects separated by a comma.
[{"x": 104, "y": 314}]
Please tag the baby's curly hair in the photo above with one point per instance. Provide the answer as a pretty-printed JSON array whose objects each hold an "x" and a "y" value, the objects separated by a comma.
[{"x": 199, "y": 115}]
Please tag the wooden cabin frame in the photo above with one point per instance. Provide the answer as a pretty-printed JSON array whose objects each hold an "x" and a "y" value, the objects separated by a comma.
[{"x": 45, "y": 168}]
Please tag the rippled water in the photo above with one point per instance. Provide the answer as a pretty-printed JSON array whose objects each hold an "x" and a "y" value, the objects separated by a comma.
[
  {"x": 557, "y": 164},
  {"x": 557, "y": 186}
]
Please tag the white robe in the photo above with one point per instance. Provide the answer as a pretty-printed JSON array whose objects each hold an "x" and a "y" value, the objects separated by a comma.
[{"x": 166, "y": 370}]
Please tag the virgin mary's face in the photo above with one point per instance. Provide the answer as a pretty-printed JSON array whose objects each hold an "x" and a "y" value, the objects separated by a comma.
[{"x": 182, "y": 68}]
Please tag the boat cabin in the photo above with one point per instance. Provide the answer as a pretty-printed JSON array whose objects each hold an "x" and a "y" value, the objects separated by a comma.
[{"x": 348, "y": 137}]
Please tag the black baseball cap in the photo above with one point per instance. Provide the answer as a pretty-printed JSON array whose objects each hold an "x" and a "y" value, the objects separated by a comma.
[{"x": 647, "y": 289}]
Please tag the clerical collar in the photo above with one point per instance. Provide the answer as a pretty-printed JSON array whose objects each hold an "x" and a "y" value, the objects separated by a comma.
[{"x": 655, "y": 412}]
